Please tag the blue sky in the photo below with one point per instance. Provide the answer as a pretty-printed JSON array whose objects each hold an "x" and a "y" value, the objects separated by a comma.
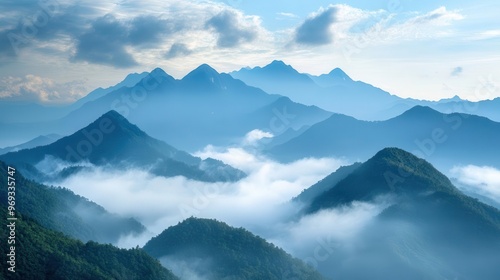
[{"x": 55, "y": 51}]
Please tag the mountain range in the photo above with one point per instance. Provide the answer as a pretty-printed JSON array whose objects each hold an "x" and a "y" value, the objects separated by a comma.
[
  {"x": 420, "y": 225},
  {"x": 446, "y": 140},
  {"x": 203, "y": 107},
  {"x": 112, "y": 140},
  {"x": 339, "y": 93}
]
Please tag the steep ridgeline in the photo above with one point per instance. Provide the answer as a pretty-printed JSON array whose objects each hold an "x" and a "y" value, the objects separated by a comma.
[
  {"x": 112, "y": 141},
  {"x": 217, "y": 251},
  {"x": 41, "y": 253},
  {"x": 446, "y": 140},
  {"x": 61, "y": 210},
  {"x": 430, "y": 230},
  {"x": 309, "y": 194}
]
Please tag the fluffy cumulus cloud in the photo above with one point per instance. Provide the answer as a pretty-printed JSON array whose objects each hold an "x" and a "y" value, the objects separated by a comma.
[
  {"x": 233, "y": 28},
  {"x": 482, "y": 180},
  {"x": 39, "y": 89}
]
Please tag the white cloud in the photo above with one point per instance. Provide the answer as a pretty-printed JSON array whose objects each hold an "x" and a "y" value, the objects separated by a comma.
[
  {"x": 39, "y": 89},
  {"x": 336, "y": 227},
  {"x": 254, "y": 202},
  {"x": 253, "y": 137},
  {"x": 482, "y": 180},
  {"x": 287, "y": 15}
]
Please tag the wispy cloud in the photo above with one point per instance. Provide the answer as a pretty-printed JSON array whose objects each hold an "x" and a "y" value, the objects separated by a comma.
[
  {"x": 287, "y": 15},
  {"x": 482, "y": 180},
  {"x": 456, "y": 71}
]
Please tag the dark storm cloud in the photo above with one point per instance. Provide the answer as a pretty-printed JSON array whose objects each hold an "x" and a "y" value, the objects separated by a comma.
[
  {"x": 177, "y": 50},
  {"x": 316, "y": 30},
  {"x": 230, "y": 31}
]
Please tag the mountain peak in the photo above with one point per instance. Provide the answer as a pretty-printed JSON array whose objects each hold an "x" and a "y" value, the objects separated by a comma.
[
  {"x": 112, "y": 114},
  {"x": 117, "y": 120},
  {"x": 420, "y": 111},
  {"x": 205, "y": 68},
  {"x": 391, "y": 171},
  {"x": 278, "y": 65},
  {"x": 339, "y": 73},
  {"x": 159, "y": 72},
  {"x": 203, "y": 72},
  {"x": 455, "y": 98}
]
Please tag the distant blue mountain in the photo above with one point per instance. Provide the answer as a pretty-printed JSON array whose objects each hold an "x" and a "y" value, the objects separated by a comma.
[
  {"x": 129, "y": 81},
  {"x": 205, "y": 107},
  {"x": 41, "y": 140},
  {"x": 335, "y": 77},
  {"x": 335, "y": 91},
  {"x": 445, "y": 140},
  {"x": 112, "y": 140}
]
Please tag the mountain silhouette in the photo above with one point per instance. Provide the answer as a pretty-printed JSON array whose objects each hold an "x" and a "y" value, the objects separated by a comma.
[
  {"x": 218, "y": 251},
  {"x": 446, "y": 140},
  {"x": 335, "y": 91},
  {"x": 205, "y": 107},
  {"x": 112, "y": 140},
  {"x": 429, "y": 230},
  {"x": 41, "y": 140}
]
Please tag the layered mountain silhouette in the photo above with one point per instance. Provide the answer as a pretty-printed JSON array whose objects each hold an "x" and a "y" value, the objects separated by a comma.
[
  {"x": 214, "y": 250},
  {"x": 113, "y": 141},
  {"x": 445, "y": 140},
  {"x": 430, "y": 230},
  {"x": 41, "y": 140},
  {"x": 339, "y": 93},
  {"x": 61, "y": 210},
  {"x": 205, "y": 107},
  {"x": 335, "y": 91}
]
